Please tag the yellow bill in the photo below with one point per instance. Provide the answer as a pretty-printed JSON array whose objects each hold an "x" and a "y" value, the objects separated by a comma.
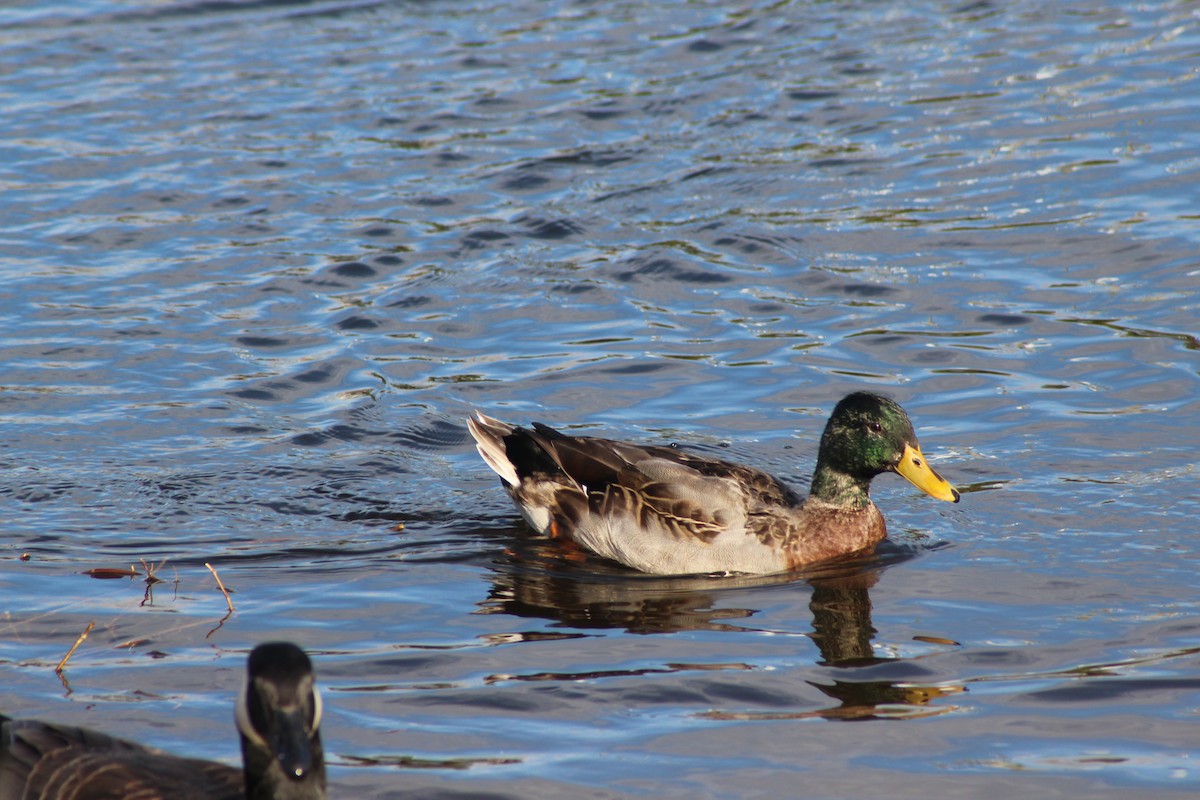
[{"x": 918, "y": 472}]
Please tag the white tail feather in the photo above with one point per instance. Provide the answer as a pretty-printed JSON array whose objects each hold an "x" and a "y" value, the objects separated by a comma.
[{"x": 488, "y": 434}]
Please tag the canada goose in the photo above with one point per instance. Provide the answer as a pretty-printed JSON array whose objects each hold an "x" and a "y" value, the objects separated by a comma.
[{"x": 278, "y": 715}]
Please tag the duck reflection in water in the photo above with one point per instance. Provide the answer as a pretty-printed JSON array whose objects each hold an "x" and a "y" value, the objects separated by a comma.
[{"x": 602, "y": 596}]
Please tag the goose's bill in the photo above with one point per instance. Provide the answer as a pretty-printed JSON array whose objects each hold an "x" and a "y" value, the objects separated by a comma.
[
  {"x": 291, "y": 744},
  {"x": 916, "y": 469}
]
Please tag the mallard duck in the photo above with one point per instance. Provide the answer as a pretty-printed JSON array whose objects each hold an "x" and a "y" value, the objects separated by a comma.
[
  {"x": 278, "y": 716},
  {"x": 664, "y": 511}
]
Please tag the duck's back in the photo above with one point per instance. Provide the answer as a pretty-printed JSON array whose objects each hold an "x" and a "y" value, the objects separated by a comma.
[
  {"x": 681, "y": 514},
  {"x": 656, "y": 509}
]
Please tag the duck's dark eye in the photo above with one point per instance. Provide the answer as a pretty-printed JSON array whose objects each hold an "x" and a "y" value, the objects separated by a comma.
[{"x": 875, "y": 427}]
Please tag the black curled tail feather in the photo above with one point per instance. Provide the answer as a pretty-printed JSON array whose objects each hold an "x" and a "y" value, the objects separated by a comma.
[{"x": 531, "y": 456}]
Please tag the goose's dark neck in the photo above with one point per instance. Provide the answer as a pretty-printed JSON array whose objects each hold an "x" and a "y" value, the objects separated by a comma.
[{"x": 265, "y": 778}]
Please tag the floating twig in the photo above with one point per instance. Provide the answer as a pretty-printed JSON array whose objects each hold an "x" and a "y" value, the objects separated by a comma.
[
  {"x": 108, "y": 573},
  {"x": 937, "y": 640},
  {"x": 224, "y": 591},
  {"x": 75, "y": 646}
]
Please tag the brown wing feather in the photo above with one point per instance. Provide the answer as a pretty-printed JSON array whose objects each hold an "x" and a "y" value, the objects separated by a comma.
[
  {"x": 596, "y": 462},
  {"x": 762, "y": 489},
  {"x": 622, "y": 478},
  {"x": 586, "y": 461}
]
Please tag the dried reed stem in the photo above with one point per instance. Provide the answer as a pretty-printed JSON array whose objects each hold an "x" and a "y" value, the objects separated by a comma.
[
  {"x": 74, "y": 647},
  {"x": 224, "y": 591}
]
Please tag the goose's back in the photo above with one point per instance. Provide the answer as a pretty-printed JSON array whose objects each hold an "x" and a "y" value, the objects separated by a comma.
[{"x": 60, "y": 762}]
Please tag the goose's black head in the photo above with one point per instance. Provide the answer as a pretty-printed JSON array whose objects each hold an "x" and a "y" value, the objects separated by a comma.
[{"x": 279, "y": 717}]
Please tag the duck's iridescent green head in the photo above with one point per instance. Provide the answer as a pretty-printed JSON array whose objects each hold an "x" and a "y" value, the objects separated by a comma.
[{"x": 868, "y": 434}]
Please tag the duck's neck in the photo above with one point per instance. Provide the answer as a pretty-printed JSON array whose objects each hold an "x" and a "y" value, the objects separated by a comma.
[{"x": 840, "y": 489}]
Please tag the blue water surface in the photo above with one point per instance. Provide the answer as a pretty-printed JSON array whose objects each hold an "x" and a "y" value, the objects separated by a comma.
[{"x": 261, "y": 259}]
